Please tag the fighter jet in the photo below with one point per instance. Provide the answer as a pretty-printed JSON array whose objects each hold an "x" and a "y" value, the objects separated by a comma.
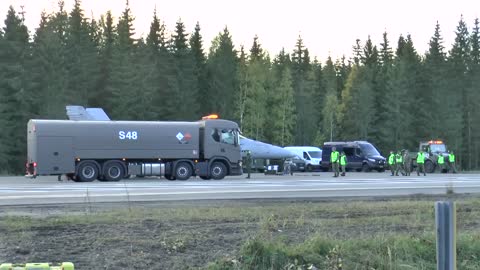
[
  {"x": 261, "y": 150},
  {"x": 258, "y": 150}
]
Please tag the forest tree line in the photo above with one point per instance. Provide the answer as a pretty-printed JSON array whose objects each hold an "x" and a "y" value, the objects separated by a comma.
[{"x": 392, "y": 98}]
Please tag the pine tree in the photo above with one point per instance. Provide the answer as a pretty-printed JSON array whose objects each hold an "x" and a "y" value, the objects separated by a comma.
[
  {"x": 159, "y": 77},
  {"x": 14, "y": 53},
  {"x": 318, "y": 98},
  {"x": 187, "y": 105},
  {"x": 405, "y": 122},
  {"x": 243, "y": 87},
  {"x": 303, "y": 85},
  {"x": 474, "y": 75},
  {"x": 384, "y": 96},
  {"x": 125, "y": 100},
  {"x": 282, "y": 115},
  {"x": 330, "y": 108},
  {"x": 81, "y": 58},
  {"x": 356, "y": 112},
  {"x": 200, "y": 71},
  {"x": 435, "y": 66},
  {"x": 222, "y": 73},
  {"x": 102, "y": 96},
  {"x": 461, "y": 99},
  {"x": 255, "y": 93},
  {"x": 256, "y": 52}
]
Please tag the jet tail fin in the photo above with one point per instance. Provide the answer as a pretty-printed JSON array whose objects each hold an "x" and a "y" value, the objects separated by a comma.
[{"x": 75, "y": 112}]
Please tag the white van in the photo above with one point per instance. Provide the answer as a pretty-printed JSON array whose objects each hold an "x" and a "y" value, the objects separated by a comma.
[{"x": 311, "y": 155}]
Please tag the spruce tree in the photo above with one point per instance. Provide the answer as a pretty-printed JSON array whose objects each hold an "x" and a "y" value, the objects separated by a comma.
[
  {"x": 384, "y": 96},
  {"x": 187, "y": 105},
  {"x": 125, "y": 99},
  {"x": 304, "y": 86},
  {"x": 81, "y": 58},
  {"x": 474, "y": 89},
  {"x": 14, "y": 57},
  {"x": 461, "y": 98},
  {"x": 436, "y": 73},
  {"x": 255, "y": 113},
  {"x": 330, "y": 108},
  {"x": 282, "y": 114},
  {"x": 200, "y": 70},
  {"x": 222, "y": 69},
  {"x": 102, "y": 96}
]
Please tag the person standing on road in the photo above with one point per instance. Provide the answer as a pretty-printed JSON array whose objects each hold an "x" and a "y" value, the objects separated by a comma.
[
  {"x": 407, "y": 163},
  {"x": 398, "y": 163},
  {"x": 441, "y": 162},
  {"x": 334, "y": 159},
  {"x": 287, "y": 167},
  {"x": 391, "y": 162},
  {"x": 451, "y": 161},
  {"x": 343, "y": 163},
  {"x": 248, "y": 160},
  {"x": 421, "y": 163}
]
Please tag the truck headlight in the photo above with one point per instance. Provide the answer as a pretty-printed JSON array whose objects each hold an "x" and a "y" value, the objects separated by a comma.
[{"x": 240, "y": 163}]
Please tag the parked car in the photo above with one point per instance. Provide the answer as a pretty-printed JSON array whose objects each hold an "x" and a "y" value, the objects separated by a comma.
[
  {"x": 312, "y": 156},
  {"x": 361, "y": 156},
  {"x": 298, "y": 164}
]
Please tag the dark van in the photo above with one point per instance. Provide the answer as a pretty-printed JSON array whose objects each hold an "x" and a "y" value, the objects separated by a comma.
[{"x": 361, "y": 156}]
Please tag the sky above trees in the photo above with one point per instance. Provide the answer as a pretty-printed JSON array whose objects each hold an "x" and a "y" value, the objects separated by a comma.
[{"x": 327, "y": 27}]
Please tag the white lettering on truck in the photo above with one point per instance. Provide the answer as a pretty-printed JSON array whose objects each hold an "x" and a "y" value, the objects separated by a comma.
[{"x": 127, "y": 135}]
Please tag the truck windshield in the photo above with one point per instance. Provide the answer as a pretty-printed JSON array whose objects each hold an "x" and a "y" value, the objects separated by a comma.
[
  {"x": 439, "y": 148},
  {"x": 369, "y": 150},
  {"x": 315, "y": 154}
]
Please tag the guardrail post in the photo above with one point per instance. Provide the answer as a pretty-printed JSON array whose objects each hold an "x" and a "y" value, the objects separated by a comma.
[{"x": 446, "y": 225}]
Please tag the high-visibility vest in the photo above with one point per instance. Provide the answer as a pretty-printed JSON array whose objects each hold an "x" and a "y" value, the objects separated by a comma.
[
  {"x": 398, "y": 158},
  {"x": 334, "y": 156},
  {"x": 441, "y": 159},
  {"x": 343, "y": 160},
  {"x": 451, "y": 158},
  {"x": 391, "y": 159},
  {"x": 420, "y": 158}
]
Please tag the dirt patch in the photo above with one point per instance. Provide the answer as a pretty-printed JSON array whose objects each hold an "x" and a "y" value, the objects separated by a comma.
[{"x": 189, "y": 235}]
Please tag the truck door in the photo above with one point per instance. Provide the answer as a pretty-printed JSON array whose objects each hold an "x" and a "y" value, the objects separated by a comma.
[{"x": 225, "y": 143}]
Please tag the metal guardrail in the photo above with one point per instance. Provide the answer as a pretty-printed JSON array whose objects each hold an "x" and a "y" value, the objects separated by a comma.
[{"x": 446, "y": 226}]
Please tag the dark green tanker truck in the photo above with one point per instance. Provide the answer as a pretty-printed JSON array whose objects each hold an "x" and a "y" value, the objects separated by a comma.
[{"x": 112, "y": 150}]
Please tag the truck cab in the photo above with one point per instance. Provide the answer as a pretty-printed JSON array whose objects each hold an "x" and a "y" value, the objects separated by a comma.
[{"x": 432, "y": 149}]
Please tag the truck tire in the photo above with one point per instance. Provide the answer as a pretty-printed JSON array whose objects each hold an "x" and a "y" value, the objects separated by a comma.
[
  {"x": 87, "y": 171},
  {"x": 218, "y": 170},
  {"x": 183, "y": 171},
  {"x": 429, "y": 166},
  {"x": 113, "y": 171}
]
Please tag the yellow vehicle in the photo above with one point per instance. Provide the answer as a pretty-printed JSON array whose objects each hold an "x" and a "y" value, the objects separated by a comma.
[{"x": 37, "y": 266}]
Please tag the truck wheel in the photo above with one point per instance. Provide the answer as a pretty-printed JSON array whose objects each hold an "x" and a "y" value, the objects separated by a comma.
[
  {"x": 183, "y": 171},
  {"x": 218, "y": 170},
  {"x": 87, "y": 171},
  {"x": 113, "y": 171},
  {"x": 429, "y": 166}
]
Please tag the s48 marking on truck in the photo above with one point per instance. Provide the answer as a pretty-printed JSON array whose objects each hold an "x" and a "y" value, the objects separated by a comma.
[{"x": 127, "y": 135}]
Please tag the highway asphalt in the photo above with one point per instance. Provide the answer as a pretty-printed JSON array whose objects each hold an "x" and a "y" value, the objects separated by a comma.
[{"x": 47, "y": 189}]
